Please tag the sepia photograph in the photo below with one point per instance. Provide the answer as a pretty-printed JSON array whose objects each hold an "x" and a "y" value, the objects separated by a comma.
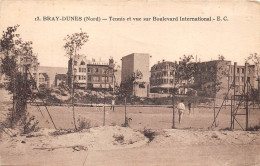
[{"x": 129, "y": 83}]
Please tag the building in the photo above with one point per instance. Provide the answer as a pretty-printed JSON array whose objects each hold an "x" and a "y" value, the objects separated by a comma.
[
  {"x": 214, "y": 78},
  {"x": 241, "y": 74},
  {"x": 100, "y": 74},
  {"x": 79, "y": 72},
  {"x": 23, "y": 63},
  {"x": 60, "y": 79},
  {"x": 162, "y": 77},
  {"x": 44, "y": 81},
  {"x": 52, "y": 72},
  {"x": 211, "y": 79},
  {"x": 92, "y": 74},
  {"x": 134, "y": 63}
]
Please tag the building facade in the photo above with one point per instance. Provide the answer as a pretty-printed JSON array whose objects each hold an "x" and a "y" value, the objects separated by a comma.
[
  {"x": 79, "y": 71},
  {"x": 214, "y": 78},
  {"x": 134, "y": 63},
  {"x": 60, "y": 79},
  {"x": 162, "y": 77},
  {"x": 92, "y": 74},
  {"x": 100, "y": 75},
  {"x": 44, "y": 81}
]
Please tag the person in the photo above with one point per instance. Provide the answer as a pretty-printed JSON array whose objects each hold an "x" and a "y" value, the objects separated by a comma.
[
  {"x": 181, "y": 109},
  {"x": 189, "y": 107},
  {"x": 113, "y": 105}
]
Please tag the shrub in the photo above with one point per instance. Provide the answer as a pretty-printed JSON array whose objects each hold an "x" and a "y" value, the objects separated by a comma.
[
  {"x": 29, "y": 124},
  {"x": 113, "y": 124},
  {"x": 149, "y": 134},
  {"x": 60, "y": 132},
  {"x": 119, "y": 138},
  {"x": 254, "y": 128},
  {"x": 127, "y": 122},
  {"x": 83, "y": 123}
]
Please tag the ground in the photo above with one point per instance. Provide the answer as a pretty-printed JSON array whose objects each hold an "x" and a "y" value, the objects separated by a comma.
[{"x": 193, "y": 142}]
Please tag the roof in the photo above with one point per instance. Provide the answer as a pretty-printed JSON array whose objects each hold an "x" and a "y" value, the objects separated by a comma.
[
  {"x": 61, "y": 76},
  {"x": 45, "y": 75}
]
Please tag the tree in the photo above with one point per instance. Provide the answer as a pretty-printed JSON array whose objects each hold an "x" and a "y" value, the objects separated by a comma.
[
  {"x": 255, "y": 60},
  {"x": 73, "y": 43},
  {"x": 221, "y": 57},
  {"x": 126, "y": 89},
  {"x": 19, "y": 84},
  {"x": 184, "y": 72}
]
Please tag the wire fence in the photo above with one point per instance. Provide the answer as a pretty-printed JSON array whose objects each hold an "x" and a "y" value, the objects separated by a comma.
[{"x": 139, "y": 117}]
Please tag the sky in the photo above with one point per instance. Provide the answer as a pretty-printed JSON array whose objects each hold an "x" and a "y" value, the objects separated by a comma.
[{"x": 235, "y": 39}]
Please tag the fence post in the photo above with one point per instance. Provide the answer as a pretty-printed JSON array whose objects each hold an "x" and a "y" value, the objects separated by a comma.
[
  {"x": 125, "y": 111},
  {"x": 173, "y": 114}
]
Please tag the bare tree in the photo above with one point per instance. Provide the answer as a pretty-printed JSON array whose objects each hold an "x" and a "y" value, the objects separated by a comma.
[
  {"x": 126, "y": 89},
  {"x": 184, "y": 72},
  {"x": 73, "y": 43}
]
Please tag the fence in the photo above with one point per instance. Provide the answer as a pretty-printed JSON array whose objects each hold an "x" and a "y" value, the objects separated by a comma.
[{"x": 140, "y": 117}]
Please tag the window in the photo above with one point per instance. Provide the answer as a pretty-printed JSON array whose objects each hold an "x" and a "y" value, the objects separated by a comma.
[
  {"x": 110, "y": 79},
  {"x": 237, "y": 79},
  {"x": 82, "y": 77},
  {"x": 248, "y": 79},
  {"x": 237, "y": 70},
  {"x": 242, "y": 70},
  {"x": 96, "y": 71},
  {"x": 141, "y": 85},
  {"x": 82, "y": 63},
  {"x": 75, "y": 63},
  {"x": 103, "y": 71},
  {"x": 89, "y": 70},
  {"x": 95, "y": 78},
  {"x": 242, "y": 78},
  {"x": 104, "y": 79},
  {"x": 83, "y": 69},
  {"x": 79, "y": 69},
  {"x": 211, "y": 68},
  {"x": 89, "y": 78}
]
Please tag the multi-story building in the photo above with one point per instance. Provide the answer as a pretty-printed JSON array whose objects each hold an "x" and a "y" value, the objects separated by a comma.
[
  {"x": 92, "y": 74},
  {"x": 240, "y": 72},
  {"x": 162, "y": 76},
  {"x": 134, "y": 63},
  {"x": 214, "y": 78},
  {"x": 100, "y": 74},
  {"x": 79, "y": 71},
  {"x": 44, "y": 81},
  {"x": 26, "y": 62},
  {"x": 211, "y": 79}
]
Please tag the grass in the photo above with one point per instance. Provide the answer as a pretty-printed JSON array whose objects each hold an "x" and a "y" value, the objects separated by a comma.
[{"x": 254, "y": 128}]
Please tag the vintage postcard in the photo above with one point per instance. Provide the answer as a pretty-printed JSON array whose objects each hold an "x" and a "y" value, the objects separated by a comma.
[{"x": 136, "y": 83}]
